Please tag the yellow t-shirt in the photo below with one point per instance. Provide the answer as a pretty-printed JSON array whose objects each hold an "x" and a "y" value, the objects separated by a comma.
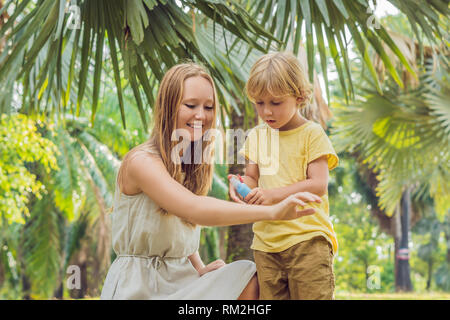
[{"x": 282, "y": 158}]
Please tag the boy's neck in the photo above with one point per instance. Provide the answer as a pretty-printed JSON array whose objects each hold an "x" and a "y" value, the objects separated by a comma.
[{"x": 296, "y": 121}]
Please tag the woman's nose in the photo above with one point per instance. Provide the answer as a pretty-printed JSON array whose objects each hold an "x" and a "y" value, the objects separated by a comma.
[{"x": 200, "y": 114}]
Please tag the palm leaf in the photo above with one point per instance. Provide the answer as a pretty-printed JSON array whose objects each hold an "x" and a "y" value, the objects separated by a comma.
[
  {"x": 404, "y": 137},
  {"x": 161, "y": 32},
  {"x": 41, "y": 247}
]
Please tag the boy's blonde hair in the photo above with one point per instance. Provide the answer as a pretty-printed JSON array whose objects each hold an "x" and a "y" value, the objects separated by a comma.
[{"x": 278, "y": 74}]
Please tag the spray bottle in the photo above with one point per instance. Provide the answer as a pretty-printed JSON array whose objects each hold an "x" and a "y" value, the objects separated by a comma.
[{"x": 239, "y": 186}]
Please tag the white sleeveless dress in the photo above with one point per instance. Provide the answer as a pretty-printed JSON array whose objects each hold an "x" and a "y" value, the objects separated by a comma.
[{"x": 152, "y": 257}]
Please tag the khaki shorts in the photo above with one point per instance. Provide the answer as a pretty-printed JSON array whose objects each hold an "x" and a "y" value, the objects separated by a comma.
[{"x": 302, "y": 272}]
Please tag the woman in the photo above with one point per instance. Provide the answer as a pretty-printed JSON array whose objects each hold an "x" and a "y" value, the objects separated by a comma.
[{"x": 161, "y": 200}]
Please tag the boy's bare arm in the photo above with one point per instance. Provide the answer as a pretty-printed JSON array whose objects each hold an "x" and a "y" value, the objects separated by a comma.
[
  {"x": 316, "y": 181},
  {"x": 251, "y": 175}
]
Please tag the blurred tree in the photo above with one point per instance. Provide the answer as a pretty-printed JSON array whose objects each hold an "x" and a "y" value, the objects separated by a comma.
[
  {"x": 49, "y": 65},
  {"x": 431, "y": 229},
  {"x": 363, "y": 253},
  {"x": 153, "y": 35},
  {"x": 401, "y": 139},
  {"x": 21, "y": 145}
]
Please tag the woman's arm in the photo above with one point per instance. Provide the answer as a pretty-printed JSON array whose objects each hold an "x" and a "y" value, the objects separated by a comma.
[
  {"x": 149, "y": 174},
  {"x": 198, "y": 264},
  {"x": 196, "y": 261}
]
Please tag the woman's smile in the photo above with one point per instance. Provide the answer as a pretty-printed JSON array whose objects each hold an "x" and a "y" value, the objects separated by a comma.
[{"x": 196, "y": 125}]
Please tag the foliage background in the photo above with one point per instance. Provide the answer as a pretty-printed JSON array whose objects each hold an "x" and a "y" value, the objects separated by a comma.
[{"x": 72, "y": 118}]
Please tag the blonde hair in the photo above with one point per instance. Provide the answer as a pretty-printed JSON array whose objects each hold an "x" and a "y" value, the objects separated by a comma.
[
  {"x": 278, "y": 74},
  {"x": 197, "y": 176}
]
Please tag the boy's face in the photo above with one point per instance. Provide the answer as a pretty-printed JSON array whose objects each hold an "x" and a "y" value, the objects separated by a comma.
[{"x": 278, "y": 113}]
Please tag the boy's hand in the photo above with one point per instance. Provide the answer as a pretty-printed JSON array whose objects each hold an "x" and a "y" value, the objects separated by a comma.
[
  {"x": 260, "y": 196},
  {"x": 232, "y": 192}
]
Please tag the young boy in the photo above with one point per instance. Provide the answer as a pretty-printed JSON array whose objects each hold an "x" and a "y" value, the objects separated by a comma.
[{"x": 294, "y": 259}]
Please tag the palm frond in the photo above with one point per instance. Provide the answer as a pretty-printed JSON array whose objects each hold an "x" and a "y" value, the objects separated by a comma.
[
  {"x": 75, "y": 232},
  {"x": 105, "y": 160},
  {"x": 67, "y": 180},
  {"x": 159, "y": 33},
  {"x": 347, "y": 17},
  {"x": 93, "y": 173},
  {"x": 41, "y": 247}
]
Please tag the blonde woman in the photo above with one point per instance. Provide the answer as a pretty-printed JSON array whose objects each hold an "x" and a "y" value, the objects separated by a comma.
[{"x": 161, "y": 201}]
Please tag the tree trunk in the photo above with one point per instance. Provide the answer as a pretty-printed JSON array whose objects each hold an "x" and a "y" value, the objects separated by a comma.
[
  {"x": 397, "y": 233},
  {"x": 2, "y": 269},
  {"x": 59, "y": 292},
  {"x": 448, "y": 249},
  {"x": 430, "y": 274},
  {"x": 366, "y": 272},
  {"x": 223, "y": 242},
  {"x": 3, "y": 18},
  {"x": 239, "y": 236},
  {"x": 26, "y": 288},
  {"x": 447, "y": 235},
  {"x": 81, "y": 262},
  {"x": 239, "y": 241},
  {"x": 402, "y": 274}
]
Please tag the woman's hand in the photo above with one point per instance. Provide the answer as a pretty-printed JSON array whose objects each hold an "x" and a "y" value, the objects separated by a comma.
[
  {"x": 232, "y": 192},
  {"x": 286, "y": 209},
  {"x": 212, "y": 266}
]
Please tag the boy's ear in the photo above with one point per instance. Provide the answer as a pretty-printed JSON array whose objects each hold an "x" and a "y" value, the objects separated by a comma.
[{"x": 299, "y": 100}]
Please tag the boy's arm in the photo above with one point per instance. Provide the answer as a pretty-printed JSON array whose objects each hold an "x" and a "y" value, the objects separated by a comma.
[
  {"x": 316, "y": 182},
  {"x": 251, "y": 174}
]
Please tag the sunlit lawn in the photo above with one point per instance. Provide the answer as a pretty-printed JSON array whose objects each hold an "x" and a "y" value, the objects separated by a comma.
[
  {"x": 379, "y": 296},
  {"x": 393, "y": 296}
]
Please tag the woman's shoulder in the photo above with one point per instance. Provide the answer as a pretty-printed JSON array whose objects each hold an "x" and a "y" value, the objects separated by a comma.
[
  {"x": 149, "y": 147},
  {"x": 142, "y": 156},
  {"x": 144, "y": 151},
  {"x": 136, "y": 163}
]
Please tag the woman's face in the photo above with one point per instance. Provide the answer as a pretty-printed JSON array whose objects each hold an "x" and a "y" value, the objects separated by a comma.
[{"x": 196, "y": 112}]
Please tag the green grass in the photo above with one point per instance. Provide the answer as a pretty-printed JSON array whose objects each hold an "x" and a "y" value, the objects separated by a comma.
[
  {"x": 377, "y": 296},
  {"x": 393, "y": 296}
]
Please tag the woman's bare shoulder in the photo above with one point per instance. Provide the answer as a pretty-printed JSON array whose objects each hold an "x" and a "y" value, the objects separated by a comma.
[
  {"x": 139, "y": 163},
  {"x": 142, "y": 160}
]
